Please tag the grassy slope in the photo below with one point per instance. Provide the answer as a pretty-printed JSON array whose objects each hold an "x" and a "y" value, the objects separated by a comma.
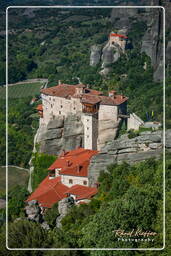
[
  {"x": 15, "y": 177},
  {"x": 21, "y": 90}
]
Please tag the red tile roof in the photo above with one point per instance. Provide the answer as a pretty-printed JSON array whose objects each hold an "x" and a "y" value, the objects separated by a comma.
[
  {"x": 82, "y": 192},
  {"x": 89, "y": 96},
  {"x": 39, "y": 107},
  {"x": 118, "y": 35},
  {"x": 116, "y": 100},
  {"x": 75, "y": 162},
  {"x": 63, "y": 90},
  {"x": 49, "y": 192},
  {"x": 92, "y": 99}
]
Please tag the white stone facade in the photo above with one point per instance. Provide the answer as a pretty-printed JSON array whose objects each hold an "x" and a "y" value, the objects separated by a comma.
[
  {"x": 70, "y": 181},
  {"x": 90, "y": 131},
  {"x": 99, "y": 126},
  {"x": 57, "y": 106}
]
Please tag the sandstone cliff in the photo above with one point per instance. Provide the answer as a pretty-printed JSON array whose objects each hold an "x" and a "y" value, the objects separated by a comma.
[
  {"x": 147, "y": 145},
  {"x": 60, "y": 134}
]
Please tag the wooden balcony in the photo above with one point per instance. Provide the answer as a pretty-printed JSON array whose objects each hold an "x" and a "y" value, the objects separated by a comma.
[{"x": 91, "y": 109}]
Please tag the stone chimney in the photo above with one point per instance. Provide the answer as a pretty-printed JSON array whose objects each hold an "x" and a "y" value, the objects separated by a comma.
[{"x": 79, "y": 90}]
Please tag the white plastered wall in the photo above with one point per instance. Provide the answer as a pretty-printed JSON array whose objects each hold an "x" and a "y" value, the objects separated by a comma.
[
  {"x": 56, "y": 106},
  {"x": 75, "y": 180}
]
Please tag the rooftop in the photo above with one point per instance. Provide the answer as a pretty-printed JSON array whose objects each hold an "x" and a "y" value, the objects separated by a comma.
[
  {"x": 74, "y": 162},
  {"x": 118, "y": 35},
  {"x": 87, "y": 96},
  {"x": 49, "y": 192},
  {"x": 82, "y": 192}
]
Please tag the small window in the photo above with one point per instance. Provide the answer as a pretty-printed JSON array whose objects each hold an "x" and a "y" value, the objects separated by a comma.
[
  {"x": 51, "y": 105},
  {"x": 87, "y": 136},
  {"x": 61, "y": 106},
  {"x": 59, "y": 112},
  {"x": 87, "y": 128},
  {"x": 74, "y": 108},
  {"x": 87, "y": 120},
  {"x": 53, "y": 99},
  {"x": 70, "y": 181},
  {"x": 84, "y": 182}
]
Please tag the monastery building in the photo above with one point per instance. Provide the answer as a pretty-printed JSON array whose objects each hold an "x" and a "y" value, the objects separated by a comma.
[{"x": 95, "y": 109}]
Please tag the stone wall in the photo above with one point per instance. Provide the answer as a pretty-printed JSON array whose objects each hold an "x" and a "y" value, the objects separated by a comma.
[
  {"x": 147, "y": 145},
  {"x": 134, "y": 122}
]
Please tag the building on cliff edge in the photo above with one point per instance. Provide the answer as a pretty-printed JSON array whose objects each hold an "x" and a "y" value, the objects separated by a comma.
[
  {"x": 68, "y": 177},
  {"x": 100, "y": 114}
]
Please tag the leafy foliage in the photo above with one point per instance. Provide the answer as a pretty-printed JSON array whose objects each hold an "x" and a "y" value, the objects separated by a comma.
[
  {"x": 41, "y": 163},
  {"x": 51, "y": 215}
]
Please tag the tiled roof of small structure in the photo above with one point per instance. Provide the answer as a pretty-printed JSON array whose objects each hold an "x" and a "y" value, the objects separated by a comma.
[
  {"x": 49, "y": 192},
  {"x": 74, "y": 162},
  {"x": 92, "y": 99},
  {"x": 118, "y": 35},
  {"x": 89, "y": 96},
  {"x": 82, "y": 192},
  {"x": 116, "y": 100},
  {"x": 39, "y": 107}
]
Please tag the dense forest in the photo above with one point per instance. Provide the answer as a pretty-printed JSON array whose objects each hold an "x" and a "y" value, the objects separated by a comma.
[{"x": 22, "y": 125}]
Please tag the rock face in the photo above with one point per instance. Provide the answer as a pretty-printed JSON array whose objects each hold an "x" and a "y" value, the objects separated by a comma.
[
  {"x": 61, "y": 134},
  {"x": 63, "y": 207},
  {"x": 147, "y": 145},
  {"x": 33, "y": 211},
  {"x": 95, "y": 55},
  {"x": 152, "y": 41}
]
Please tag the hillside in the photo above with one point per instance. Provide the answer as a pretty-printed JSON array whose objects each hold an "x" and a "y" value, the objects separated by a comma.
[{"x": 56, "y": 44}]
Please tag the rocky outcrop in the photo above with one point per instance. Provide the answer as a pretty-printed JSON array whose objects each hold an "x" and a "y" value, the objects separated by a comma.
[
  {"x": 33, "y": 211},
  {"x": 152, "y": 41},
  {"x": 111, "y": 53},
  {"x": 120, "y": 17},
  {"x": 61, "y": 134},
  {"x": 147, "y": 145},
  {"x": 95, "y": 55},
  {"x": 63, "y": 208}
]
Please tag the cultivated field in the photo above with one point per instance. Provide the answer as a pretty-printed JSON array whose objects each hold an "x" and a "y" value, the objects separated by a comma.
[
  {"x": 15, "y": 177},
  {"x": 21, "y": 90}
]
